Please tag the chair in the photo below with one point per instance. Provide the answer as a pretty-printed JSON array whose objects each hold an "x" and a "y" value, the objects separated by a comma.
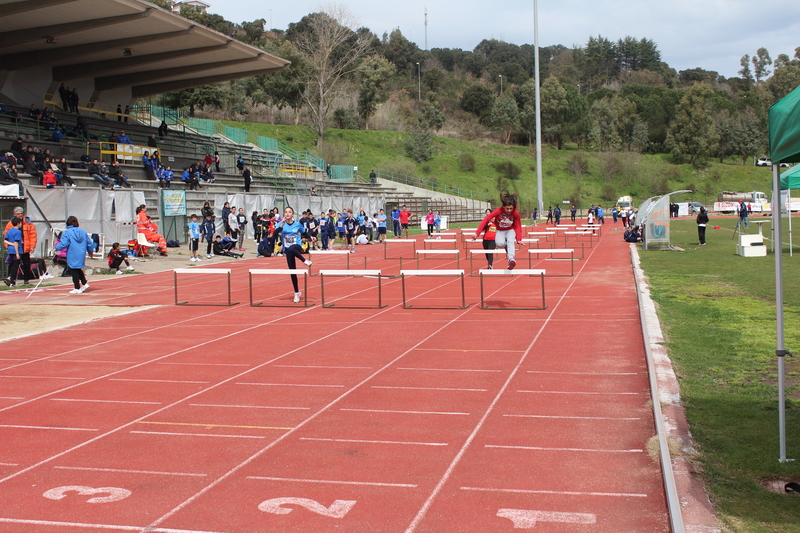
[{"x": 144, "y": 245}]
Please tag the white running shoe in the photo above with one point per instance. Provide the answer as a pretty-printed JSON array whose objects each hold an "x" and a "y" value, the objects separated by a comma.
[
  {"x": 209, "y": 256},
  {"x": 130, "y": 268},
  {"x": 297, "y": 297},
  {"x": 192, "y": 259},
  {"x": 307, "y": 262},
  {"x": 83, "y": 289},
  {"x": 120, "y": 272},
  {"x": 198, "y": 259},
  {"x": 75, "y": 291}
]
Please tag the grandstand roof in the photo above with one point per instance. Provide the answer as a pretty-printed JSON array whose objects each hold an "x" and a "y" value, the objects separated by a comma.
[{"x": 121, "y": 49}]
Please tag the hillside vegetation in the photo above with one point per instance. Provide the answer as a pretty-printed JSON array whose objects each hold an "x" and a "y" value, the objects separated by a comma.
[{"x": 606, "y": 175}]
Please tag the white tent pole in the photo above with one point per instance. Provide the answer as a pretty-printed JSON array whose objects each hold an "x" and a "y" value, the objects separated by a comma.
[{"x": 779, "y": 350}]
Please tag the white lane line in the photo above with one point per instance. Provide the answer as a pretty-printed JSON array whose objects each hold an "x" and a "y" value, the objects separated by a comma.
[
  {"x": 9, "y": 464},
  {"x": 291, "y": 385},
  {"x": 101, "y": 401},
  {"x": 45, "y": 427},
  {"x": 325, "y": 366},
  {"x": 91, "y": 469},
  {"x": 4, "y": 359},
  {"x": 157, "y": 380},
  {"x": 12, "y": 397},
  {"x": 427, "y": 388},
  {"x": 246, "y": 406},
  {"x": 448, "y": 369},
  {"x": 404, "y": 412},
  {"x": 37, "y": 377},
  {"x": 99, "y": 526},
  {"x": 576, "y": 417},
  {"x": 564, "y": 492},
  {"x": 205, "y": 364},
  {"x": 584, "y": 373},
  {"x": 378, "y": 441},
  {"x": 90, "y": 361},
  {"x": 332, "y": 482},
  {"x": 197, "y": 434},
  {"x": 576, "y": 392},
  {"x": 595, "y": 450}
]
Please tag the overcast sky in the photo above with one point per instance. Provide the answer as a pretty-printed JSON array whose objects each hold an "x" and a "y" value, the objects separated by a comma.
[{"x": 711, "y": 34}]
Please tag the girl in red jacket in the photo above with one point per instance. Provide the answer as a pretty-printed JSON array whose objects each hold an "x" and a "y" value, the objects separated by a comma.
[{"x": 509, "y": 226}]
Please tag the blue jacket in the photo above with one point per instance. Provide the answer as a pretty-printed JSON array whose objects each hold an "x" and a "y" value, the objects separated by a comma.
[{"x": 78, "y": 244}]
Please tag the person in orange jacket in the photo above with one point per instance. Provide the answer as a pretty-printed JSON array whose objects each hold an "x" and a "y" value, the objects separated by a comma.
[
  {"x": 149, "y": 228},
  {"x": 29, "y": 242}
]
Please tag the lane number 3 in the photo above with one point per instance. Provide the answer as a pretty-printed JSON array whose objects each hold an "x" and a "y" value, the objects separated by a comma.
[{"x": 113, "y": 493}]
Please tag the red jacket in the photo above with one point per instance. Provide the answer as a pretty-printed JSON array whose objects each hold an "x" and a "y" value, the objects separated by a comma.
[
  {"x": 503, "y": 222},
  {"x": 49, "y": 178}
]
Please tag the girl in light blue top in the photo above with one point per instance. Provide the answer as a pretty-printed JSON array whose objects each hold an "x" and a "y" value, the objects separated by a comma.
[{"x": 292, "y": 236}]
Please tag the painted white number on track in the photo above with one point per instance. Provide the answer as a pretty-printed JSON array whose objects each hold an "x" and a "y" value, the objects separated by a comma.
[
  {"x": 114, "y": 493},
  {"x": 525, "y": 519},
  {"x": 338, "y": 508}
]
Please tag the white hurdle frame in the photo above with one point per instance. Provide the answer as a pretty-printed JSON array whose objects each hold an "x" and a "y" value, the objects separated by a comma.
[
  {"x": 459, "y": 273},
  {"x": 473, "y": 253},
  {"x": 311, "y": 255},
  {"x": 512, "y": 273},
  {"x": 433, "y": 241},
  {"x": 385, "y": 255},
  {"x": 351, "y": 273},
  {"x": 456, "y": 253},
  {"x": 552, "y": 251},
  {"x": 226, "y": 271},
  {"x": 278, "y": 272}
]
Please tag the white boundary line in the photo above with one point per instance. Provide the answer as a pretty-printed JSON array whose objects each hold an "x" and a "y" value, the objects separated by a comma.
[
  {"x": 564, "y": 492},
  {"x": 333, "y": 482},
  {"x": 377, "y": 441},
  {"x": 92, "y": 469}
]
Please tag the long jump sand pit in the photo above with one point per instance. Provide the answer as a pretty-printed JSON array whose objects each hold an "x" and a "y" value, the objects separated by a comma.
[{"x": 18, "y": 320}]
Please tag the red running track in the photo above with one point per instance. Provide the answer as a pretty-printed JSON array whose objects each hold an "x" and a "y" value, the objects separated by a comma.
[{"x": 250, "y": 419}]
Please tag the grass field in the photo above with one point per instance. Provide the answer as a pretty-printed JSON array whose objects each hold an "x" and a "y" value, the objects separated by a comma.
[{"x": 718, "y": 314}]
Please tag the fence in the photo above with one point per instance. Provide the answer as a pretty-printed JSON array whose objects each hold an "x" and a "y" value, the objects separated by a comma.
[{"x": 431, "y": 186}]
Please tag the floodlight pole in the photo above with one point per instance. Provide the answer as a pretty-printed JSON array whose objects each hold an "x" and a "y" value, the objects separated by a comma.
[
  {"x": 780, "y": 351},
  {"x": 539, "y": 192}
]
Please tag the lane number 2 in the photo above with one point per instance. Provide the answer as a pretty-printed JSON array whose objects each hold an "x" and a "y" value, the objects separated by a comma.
[
  {"x": 338, "y": 508},
  {"x": 113, "y": 493}
]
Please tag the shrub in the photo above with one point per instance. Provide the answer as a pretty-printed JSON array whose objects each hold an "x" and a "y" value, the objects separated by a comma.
[
  {"x": 419, "y": 145},
  {"x": 344, "y": 119},
  {"x": 577, "y": 166},
  {"x": 609, "y": 192},
  {"x": 509, "y": 169},
  {"x": 467, "y": 162}
]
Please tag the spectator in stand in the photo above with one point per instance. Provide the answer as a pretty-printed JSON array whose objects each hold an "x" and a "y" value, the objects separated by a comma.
[
  {"x": 74, "y": 101},
  {"x": 9, "y": 177},
  {"x": 163, "y": 130},
  {"x": 207, "y": 175},
  {"x": 116, "y": 258},
  {"x": 62, "y": 169},
  {"x": 151, "y": 141},
  {"x": 49, "y": 179},
  {"x": 207, "y": 230},
  {"x": 154, "y": 159},
  {"x": 77, "y": 243},
  {"x": 240, "y": 163},
  {"x": 207, "y": 160},
  {"x": 247, "y": 178},
  {"x": 167, "y": 175},
  {"x": 49, "y": 116},
  {"x": 34, "y": 112},
  {"x": 127, "y": 112},
  {"x": 29, "y": 239},
  {"x": 373, "y": 178},
  {"x": 148, "y": 228},
  {"x": 216, "y": 162},
  {"x": 147, "y": 163},
  {"x": 99, "y": 173},
  {"x": 122, "y": 138},
  {"x": 313, "y": 191},
  {"x": 63, "y": 92},
  {"x": 189, "y": 179},
  {"x": 29, "y": 167},
  {"x": 17, "y": 149},
  {"x": 113, "y": 138},
  {"x": 80, "y": 127},
  {"x": 115, "y": 173},
  {"x": 119, "y": 112}
]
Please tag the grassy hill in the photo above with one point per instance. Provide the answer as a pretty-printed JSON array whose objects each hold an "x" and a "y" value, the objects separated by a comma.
[{"x": 607, "y": 175}]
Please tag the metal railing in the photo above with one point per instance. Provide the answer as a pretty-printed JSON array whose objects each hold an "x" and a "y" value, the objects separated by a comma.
[{"x": 432, "y": 186}]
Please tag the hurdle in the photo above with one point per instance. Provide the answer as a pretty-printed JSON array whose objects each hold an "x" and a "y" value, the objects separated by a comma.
[
  {"x": 225, "y": 271},
  {"x": 432, "y": 241},
  {"x": 553, "y": 251},
  {"x": 529, "y": 242},
  {"x": 459, "y": 273},
  {"x": 472, "y": 253},
  {"x": 278, "y": 272},
  {"x": 386, "y": 247},
  {"x": 545, "y": 234},
  {"x": 332, "y": 252},
  {"x": 512, "y": 273},
  {"x": 593, "y": 227},
  {"x": 456, "y": 253},
  {"x": 351, "y": 273},
  {"x": 579, "y": 233},
  {"x": 466, "y": 235}
]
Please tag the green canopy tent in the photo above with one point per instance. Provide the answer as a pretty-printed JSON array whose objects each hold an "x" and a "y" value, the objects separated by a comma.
[
  {"x": 788, "y": 180},
  {"x": 784, "y": 147}
]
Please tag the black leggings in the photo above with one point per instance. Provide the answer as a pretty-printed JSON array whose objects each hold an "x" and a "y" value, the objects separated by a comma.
[
  {"x": 489, "y": 245},
  {"x": 293, "y": 253},
  {"x": 78, "y": 277},
  {"x": 116, "y": 263},
  {"x": 430, "y": 230},
  {"x": 208, "y": 246}
]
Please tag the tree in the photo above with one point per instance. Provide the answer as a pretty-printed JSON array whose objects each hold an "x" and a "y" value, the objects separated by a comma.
[
  {"x": 505, "y": 116},
  {"x": 745, "y": 72},
  {"x": 749, "y": 138},
  {"x": 640, "y": 139},
  {"x": 693, "y": 134},
  {"x": 400, "y": 51},
  {"x": 331, "y": 52},
  {"x": 477, "y": 99},
  {"x": 278, "y": 89},
  {"x": 613, "y": 120},
  {"x": 419, "y": 145},
  {"x": 431, "y": 116},
  {"x": 202, "y": 96},
  {"x": 554, "y": 109},
  {"x": 760, "y": 62},
  {"x": 375, "y": 71}
]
